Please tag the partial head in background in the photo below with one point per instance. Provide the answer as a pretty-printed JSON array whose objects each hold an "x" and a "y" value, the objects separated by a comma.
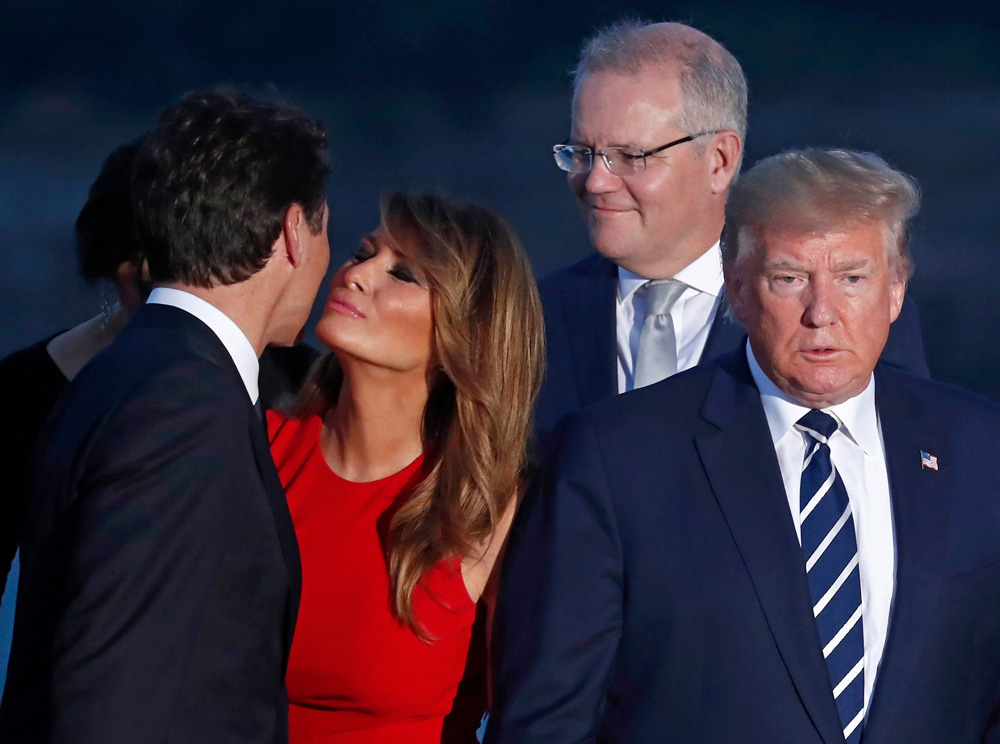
[
  {"x": 444, "y": 291},
  {"x": 107, "y": 246},
  {"x": 816, "y": 257},
  {"x": 638, "y": 87}
]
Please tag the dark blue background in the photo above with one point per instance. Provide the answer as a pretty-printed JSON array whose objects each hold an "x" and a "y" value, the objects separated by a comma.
[{"x": 467, "y": 97}]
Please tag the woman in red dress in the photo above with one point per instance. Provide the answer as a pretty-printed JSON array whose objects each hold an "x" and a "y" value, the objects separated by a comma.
[{"x": 401, "y": 466}]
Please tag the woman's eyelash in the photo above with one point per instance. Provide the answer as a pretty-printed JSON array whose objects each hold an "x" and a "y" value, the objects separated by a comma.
[
  {"x": 403, "y": 273},
  {"x": 399, "y": 271},
  {"x": 360, "y": 255}
]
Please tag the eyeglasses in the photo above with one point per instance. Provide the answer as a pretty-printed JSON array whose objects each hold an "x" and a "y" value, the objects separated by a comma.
[{"x": 621, "y": 161}]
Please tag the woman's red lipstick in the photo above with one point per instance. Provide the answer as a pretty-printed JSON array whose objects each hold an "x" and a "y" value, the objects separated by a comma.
[{"x": 340, "y": 305}]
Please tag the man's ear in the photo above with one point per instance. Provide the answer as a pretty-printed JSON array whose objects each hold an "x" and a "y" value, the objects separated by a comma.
[
  {"x": 724, "y": 152},
  {"x": 734, "y": 295},
  {"x": 291, "y": 235},
  {"x": 897, "y": 292},
  {"x": 738, "y": 289}
]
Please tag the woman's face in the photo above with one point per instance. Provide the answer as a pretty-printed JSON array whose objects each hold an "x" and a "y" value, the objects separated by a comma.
[{"x": 379, "y": 309}]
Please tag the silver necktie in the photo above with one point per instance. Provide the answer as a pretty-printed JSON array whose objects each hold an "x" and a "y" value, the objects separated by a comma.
[{"x": 656, "y": 357}]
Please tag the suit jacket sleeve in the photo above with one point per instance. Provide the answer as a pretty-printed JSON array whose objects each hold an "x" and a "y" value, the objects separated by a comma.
[
  {"x": 149, "y": 541},
  {"x": 559, "y": 614}
]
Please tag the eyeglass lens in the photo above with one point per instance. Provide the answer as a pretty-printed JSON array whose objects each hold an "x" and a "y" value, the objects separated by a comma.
[{"x": 619, "y": 161}]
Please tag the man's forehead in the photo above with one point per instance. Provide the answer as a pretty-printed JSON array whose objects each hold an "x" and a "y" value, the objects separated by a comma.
[
  {"x": 609, "y": 100},
  {"x": 776, "y": 261},
  {"x": 841, "y": 246},
  {"x": 644, "y": 83},
  {"x": 817, "y": 229}
]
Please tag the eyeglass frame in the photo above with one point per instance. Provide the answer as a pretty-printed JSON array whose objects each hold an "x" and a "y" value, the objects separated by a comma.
[{"x": 556, "y": 149}]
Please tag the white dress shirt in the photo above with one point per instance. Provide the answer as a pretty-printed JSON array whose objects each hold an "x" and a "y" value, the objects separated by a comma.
[
  {"x": 858, "y": 453},
  {"x": 236, "y": 343},
  {"x": 692, "y": 314}
]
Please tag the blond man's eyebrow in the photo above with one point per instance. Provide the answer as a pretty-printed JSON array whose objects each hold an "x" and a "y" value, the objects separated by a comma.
[
  {"x": 852, "y": 265},
  {"x": 855, "y": 265},
  {"x": 783, "y": 266}
]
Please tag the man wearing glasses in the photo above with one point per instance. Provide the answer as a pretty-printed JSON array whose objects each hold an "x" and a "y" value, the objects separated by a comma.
[{"x": 659, "y": 119}]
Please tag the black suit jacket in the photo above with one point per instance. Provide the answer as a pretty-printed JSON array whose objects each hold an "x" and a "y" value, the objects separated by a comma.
[
  {"x": 581, "y": 346},
  {"x": 34, "y": 383},
  {"x": 159, "y": 570},
  {"x": 654, "y": 589}
]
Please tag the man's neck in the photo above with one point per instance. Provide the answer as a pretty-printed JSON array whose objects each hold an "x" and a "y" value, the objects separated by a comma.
[
  {"x": 672, "y": 261},
  {"x": 240, "y": 349},
  {"x": 242, "y": 303}
]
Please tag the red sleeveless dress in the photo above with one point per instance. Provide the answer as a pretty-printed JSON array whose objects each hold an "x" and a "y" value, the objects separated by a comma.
[{"x": 356, "y": 675}]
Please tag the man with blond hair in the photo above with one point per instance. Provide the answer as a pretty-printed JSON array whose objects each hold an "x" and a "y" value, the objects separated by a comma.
[
  {"x": 658, "y": 125},
  {"x": 795, "y": 544}
]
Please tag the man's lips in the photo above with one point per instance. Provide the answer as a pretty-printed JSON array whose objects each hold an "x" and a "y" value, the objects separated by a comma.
[
  {"x": 820, "y": 351},
  {"x": 342, "y": 306},
  {"x": 608, "y": 209},
  {"x": 603, "y": 205}
]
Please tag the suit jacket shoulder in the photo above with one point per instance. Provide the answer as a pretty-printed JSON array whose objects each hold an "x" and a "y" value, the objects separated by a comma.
[
  {"x": 591, "y": 265},
  {"x": 579, "y": 306},
  {"x": 153, "y": 543},
  {"x": 904, "y": 349},
  {"x": 653, "y": 561}
]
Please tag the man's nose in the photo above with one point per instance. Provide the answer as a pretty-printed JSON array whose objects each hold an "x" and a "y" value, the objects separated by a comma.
[
  {"x": 601, "y": 179},
  {"x": 820, "y": 304}
]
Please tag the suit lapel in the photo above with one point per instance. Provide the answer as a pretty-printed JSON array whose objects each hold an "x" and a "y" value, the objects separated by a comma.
[
  {"x": 283, "y": 522},
  {"x": 726, "y": 334},
  {"x": 589, "y": 316},
  {"x": 204, "y": 341},
  {"x": 918, "y": 508},
  {"x": 743, "y": 470}
]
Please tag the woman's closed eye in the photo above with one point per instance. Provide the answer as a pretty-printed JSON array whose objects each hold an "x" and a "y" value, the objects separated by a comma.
[
  {"x": 403, "y": 272},
  {"x": 361, "y": 255}
]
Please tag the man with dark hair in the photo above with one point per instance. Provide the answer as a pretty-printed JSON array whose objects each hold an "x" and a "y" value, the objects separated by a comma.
[
  {"x": 796, "y": 544},
  {"x": 211, "y": 216},
  {"x": 107, "y": 248},
  {"x": 160, "y": 575},
  {"x": 658, "y": 124}
]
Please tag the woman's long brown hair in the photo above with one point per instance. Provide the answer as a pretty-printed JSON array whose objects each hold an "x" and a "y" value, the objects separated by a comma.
[{"x": 489, "y": 341}]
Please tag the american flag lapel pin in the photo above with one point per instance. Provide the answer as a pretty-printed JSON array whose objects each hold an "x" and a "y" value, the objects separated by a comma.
[{"x": 928, "y": 461}]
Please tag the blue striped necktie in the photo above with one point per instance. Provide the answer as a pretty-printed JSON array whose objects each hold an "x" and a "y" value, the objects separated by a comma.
[{"x": 830, "y": 547}]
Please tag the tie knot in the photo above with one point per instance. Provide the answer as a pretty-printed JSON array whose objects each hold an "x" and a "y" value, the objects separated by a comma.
[
  {"x": 818, "y": 424},
  {"x": 661, "y": 294}
]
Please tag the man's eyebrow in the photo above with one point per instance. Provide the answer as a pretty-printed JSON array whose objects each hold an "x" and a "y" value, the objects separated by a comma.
[
  {"x": 783, "y": 266},
  {"x": 850, "y": 265},
  {"x": 580, "y": 143},
  {"x": 854, "y": 265}
]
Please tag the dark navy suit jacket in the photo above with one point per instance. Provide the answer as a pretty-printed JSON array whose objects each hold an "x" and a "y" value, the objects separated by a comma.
[
  {"x": 579, "y": 304},
  {"x": 160, "y": 575},
  {"x": 654, "y": 589}
]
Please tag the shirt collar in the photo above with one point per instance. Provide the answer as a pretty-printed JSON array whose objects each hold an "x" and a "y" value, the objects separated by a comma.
[
  {"x": 856, "y": 415},
  {"x": 237, "y": 344},
  {"x": 703, "y": 274}
]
